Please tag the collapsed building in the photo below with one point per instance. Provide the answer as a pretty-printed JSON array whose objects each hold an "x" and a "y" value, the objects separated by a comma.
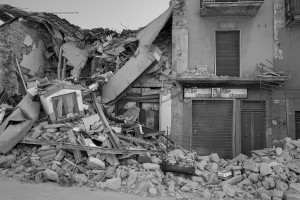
[{"x": 99, "y": 106}]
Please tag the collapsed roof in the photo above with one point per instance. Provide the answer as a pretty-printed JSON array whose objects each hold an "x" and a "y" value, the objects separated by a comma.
[{"x": 104, "y": 48}]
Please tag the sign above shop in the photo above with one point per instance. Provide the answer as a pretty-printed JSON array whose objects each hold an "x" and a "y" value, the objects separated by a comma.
[{"x": 215, "y": 93}]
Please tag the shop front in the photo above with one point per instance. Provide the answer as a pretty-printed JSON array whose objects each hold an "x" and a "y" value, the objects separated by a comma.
[{"x": 224, "y": 120}]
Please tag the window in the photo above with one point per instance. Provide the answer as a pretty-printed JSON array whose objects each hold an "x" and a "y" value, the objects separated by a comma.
[
  {"x": 228, "y": 53},
  {"x": 64, "y": 105}
]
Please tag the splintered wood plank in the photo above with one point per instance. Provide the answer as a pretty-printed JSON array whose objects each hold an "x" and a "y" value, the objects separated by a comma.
[
  {"x": 59, "y": 109},
  {"x": 77, "y": 153},
  {"x": 113, "y": 138},
  {"x": 110, "y": 158}
]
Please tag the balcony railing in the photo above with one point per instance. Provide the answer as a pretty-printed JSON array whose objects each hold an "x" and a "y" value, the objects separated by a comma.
[
  {"x": 230, "y": 7},
  {"x": 292, "y": 9}
]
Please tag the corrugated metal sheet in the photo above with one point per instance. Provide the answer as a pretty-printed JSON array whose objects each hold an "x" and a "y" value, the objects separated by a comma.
[
  {"x": 212, "y": 127},
  {"x": 228, "y": 53}
]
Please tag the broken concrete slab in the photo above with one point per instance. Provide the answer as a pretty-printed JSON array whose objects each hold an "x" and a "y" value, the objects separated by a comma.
[
  {"x": 24, "y": 116},
  {"x": 89, "y": 121},
  {"x": 77, "y": 57},
  {"x": 133, "y": 69}
]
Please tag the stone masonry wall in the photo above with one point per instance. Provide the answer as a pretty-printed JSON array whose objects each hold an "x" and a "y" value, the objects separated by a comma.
[
  {"x": 179, "y": 65},
  {"x": 12, "y": 45}
]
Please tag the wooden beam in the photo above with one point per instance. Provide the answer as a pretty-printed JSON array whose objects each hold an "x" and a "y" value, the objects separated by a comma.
[
  {"x": 92, "y": 150},
  {"x": 21, "y": 74},
  {"x": 59, "y": 64},
  {"x": 77, "y": 153},
  {"x": 134, "y": 139},
  {"x": 64, "y": 70},
  {"x": 113, "y": 138}
]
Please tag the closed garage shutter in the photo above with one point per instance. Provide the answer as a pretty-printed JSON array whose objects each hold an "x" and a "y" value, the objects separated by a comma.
[
  {"x": 228, "y": 53},
  {"x": 212, "y": 123}
]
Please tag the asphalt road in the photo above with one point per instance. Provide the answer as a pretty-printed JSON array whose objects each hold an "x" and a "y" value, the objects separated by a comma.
[{"x": 11, "y": 189}]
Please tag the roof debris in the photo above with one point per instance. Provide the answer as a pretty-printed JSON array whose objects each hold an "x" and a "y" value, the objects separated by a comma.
[{"x": 73, "y": 139}]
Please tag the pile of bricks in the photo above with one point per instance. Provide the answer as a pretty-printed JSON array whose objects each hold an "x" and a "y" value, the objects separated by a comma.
[{"x": 270, "y": 174}]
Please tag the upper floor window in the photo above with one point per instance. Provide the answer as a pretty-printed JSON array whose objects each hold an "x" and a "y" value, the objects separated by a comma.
[{"x": 228, "y": 53}]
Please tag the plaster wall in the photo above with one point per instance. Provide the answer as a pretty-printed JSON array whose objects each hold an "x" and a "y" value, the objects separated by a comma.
[
  {"x": 289, "y": 39},
  {"x": 256, "y": 37}
]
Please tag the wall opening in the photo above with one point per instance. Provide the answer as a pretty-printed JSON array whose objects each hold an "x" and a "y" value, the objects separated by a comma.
[{"x": 228, "y": 53}]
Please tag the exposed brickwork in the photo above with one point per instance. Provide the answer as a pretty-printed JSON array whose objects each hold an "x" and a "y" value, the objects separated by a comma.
[
  {"x": 179, "y": 14},
  {"x": 179, "y": 64},
  {"x": 12, "y": 45},
  {"x": 276, "y": 116},
  {"x": 177, "y": 116}
]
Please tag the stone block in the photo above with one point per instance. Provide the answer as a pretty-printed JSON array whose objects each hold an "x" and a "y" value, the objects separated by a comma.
[
  {"x": 153, "y": 191},
  {"x": 47, "y": 155},
  {"x": 113, "y": 184},
  {"x": 251, "y": 166},
  {"x": 80, "y": 178},
  {"x": 2, "y": 159},
  {"x": 151, "y": 166},
  {"x": 265, "y": 169},
  {"x": 264, "y": 196},
  {"x": 233, "y": 180},
  {"x": 295, "y": 186},
  {"x": 214, "y": 158},
  {"x": 293, "y": 196},
  {"x": 293, "y": 167},
  {"x": 253, "y": 177},
  {"x": 131, "y": 178},
  {"x": 278, "y": 151},
  {"x": 50, "y": 175},
  {"x": 109, "y": 172},
  {"x": 282, "y": 186},
  {"x": 95, "y": 163},
  {"x": 61, "y": 154},
  {"x": 9, "y": 160},
  {"x": 229, "y": 190}
]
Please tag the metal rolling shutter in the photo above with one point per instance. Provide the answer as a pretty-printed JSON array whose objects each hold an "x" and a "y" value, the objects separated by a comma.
[
  {"x": 212, "y": 127},
  {"x": 297, "y": 123},
  {"x": 228, "y": 53}
]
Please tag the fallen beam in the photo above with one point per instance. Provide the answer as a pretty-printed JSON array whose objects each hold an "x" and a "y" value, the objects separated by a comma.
[
  {"x": 92, "y": 150},
  {"x": 134, "y": 139},
  {"x": 114, "y": 140}
]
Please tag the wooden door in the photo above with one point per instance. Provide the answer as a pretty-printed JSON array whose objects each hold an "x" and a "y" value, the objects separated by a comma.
[{"x": 253, "y": 131}]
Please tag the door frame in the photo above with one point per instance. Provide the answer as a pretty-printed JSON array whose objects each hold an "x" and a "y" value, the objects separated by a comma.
[
  {"x": 240, "y": 46},
  {"x": 265, "y": 143}
]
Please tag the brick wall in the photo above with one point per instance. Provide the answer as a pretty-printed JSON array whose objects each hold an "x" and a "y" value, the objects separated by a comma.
[
  {"x": 276, "y": 105},
  {"x": 179, "y": 64},
  {"x": 12, "y": 45}
]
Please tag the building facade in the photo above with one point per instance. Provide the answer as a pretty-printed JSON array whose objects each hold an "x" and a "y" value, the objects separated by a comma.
[
  {"x": 229, "y": 61},
  {"x": 289, "y": 39}
]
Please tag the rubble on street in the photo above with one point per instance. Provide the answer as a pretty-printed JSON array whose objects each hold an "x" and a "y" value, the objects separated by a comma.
[
  {"x": 63, "y": 129},
  {"x": 267, "y": 174}
]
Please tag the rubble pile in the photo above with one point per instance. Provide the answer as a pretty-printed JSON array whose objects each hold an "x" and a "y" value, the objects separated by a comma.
[
  {"x": 198, "y": 71},
  {"x": 268, "y": 174}
]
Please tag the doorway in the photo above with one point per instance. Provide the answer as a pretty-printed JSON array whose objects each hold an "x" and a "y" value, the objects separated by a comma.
[
  {"x": 253, "y": 123},
  {"x": 212, "y": 127}
]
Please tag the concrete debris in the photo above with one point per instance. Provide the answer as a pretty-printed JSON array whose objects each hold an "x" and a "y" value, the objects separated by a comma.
[
  {"x": 256, "y": 179},
  {"x": 75, "y": 140}
]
